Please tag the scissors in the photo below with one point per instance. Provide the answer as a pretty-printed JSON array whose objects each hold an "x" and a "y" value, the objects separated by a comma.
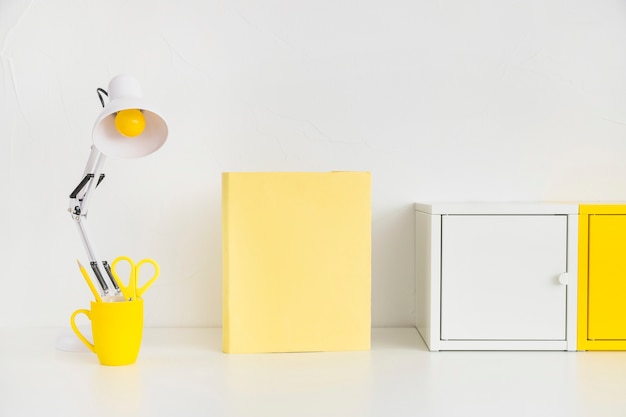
[{"x": 132, "y": 291}]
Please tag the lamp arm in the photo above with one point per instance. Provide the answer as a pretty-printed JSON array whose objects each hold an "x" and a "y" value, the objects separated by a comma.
[
  {"x": 79, "y": 202},
  {"x": 81, "y": 195}
]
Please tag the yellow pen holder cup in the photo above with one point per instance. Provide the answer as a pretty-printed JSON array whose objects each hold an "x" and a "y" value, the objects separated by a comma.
[{"x": 116, "y": 328}]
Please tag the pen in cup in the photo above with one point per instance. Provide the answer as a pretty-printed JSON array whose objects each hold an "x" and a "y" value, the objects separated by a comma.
[
  {"x": 83, "y": 271},
  {"x": 107, "y": 268},
  {"x": 99, "y": 277}
]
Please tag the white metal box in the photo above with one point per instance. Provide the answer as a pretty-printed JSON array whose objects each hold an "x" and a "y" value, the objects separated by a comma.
[{"x": 496, "y": 276}]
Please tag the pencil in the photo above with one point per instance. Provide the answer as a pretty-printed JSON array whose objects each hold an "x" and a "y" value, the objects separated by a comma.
[{"x": 91, "y": 287}]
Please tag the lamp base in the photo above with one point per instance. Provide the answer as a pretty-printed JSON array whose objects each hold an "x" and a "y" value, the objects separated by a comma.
[{"x": 67, "y": 341}]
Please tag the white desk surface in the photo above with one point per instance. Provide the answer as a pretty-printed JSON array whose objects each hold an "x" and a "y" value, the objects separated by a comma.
[{"x": 182, "y": 372}]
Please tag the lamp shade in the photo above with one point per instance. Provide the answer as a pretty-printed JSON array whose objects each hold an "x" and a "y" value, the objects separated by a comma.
[{"x": 125, "y": 94}]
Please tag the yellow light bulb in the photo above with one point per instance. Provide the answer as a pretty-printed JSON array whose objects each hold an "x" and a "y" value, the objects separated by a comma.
[{"x": 130, "y": 122}]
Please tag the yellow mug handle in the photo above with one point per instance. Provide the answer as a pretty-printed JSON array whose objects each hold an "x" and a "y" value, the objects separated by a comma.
[{"x": 78, "y": 333}]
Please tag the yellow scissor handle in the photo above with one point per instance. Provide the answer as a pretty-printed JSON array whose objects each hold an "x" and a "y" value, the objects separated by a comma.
[
  {"x": 157, "y": 271},
  {"x": 130, "y": 290}
]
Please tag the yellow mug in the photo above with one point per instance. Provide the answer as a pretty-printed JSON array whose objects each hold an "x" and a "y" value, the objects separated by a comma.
[{"x": 116, "y": 328}]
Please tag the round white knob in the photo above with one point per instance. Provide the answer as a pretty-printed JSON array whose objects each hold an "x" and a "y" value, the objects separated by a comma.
[{"x": 564, "y": 278}]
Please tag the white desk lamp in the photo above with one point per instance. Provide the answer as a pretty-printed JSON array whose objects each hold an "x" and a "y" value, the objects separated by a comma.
[{"x": 127, "y": 127}]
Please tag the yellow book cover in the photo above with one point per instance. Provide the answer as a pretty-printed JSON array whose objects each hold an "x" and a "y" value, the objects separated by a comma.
[{"x": 296, "y": 261}]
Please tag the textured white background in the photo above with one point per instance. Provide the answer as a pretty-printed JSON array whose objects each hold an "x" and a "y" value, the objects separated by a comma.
[{"x": 440, "y": 99}]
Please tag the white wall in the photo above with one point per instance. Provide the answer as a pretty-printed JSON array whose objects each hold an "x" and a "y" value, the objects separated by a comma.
[{"x": 439, "y": 99}]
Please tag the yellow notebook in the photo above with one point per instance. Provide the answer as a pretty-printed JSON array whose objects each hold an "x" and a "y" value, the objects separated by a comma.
[{"x": 296, "y": 261}]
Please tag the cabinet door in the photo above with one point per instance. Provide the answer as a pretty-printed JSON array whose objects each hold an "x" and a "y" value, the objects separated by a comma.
[
  {"x": 500, "y": 277},
  {"x": 607, "y": 277}
]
